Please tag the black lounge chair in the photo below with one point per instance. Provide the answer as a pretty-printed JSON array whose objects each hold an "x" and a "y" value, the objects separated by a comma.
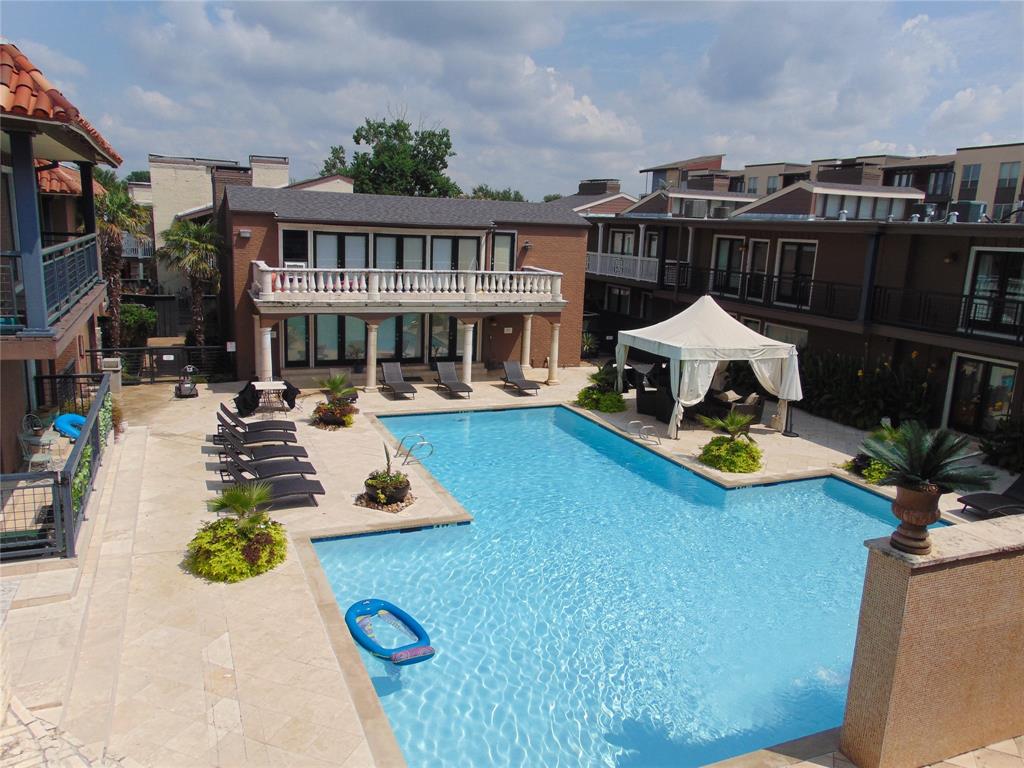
[
  {"x": 258, "y": 426},
  {"x": 1009, "y": 502},
  {"x": 448, "y": 378},
  {"x": 284, "y": 487},
  {"x": 395, "y": 381},
  {"x": 263, "y": 452},
  {"x": 264, "y": 470},
  {"x": 256, "y": 436},
  {"x": 514, "y": 378}
]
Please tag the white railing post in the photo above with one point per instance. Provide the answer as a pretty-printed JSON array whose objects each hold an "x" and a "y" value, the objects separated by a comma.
[
  {"x": 556, "y": 287},
  {"x": 471, "y": 287},
  {"x": 374, "y": 286}
]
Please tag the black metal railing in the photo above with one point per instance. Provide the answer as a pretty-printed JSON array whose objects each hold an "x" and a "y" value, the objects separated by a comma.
[
  {"x": 43, "y": 511},
  {"x": 795, "y": 293},
  {"x": 12, "y": 294},
  {"x": 70, "y": 270},
  {"x": 67, "y": 392},
  {"x": 147, "y": 365},
  {"x": 56, "y": 238},
  {"x": 973, "y": 314}
]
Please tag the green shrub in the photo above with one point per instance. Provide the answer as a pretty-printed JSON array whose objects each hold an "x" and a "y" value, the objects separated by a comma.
[
  {"x": 137, "y": 323},
  {"x": 604, "y": 379},
  {"x": 221, "y": 551},
  {"x": 875, "y": 472},
  {"x": 335, "y": 413},
  {"x": 728, "y": 455},
  {"x": 593, "y": 399},
  {"x": 83, "y": 476},
  {"x": 1004, "y": 447},
  {"x": 106, "y": 417}
]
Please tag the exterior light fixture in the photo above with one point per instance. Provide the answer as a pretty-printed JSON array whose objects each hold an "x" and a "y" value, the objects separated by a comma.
[{"x": 245, "y": 233}]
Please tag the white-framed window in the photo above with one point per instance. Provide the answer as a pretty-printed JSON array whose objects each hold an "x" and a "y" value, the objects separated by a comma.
[
  {"x": 979, "y": 392},
  {"x": 970, "y": 176},
  {"x": 1009, "y": 175},
  {"x": 786, "y": 333},
  {"x": 295, "y": 246},
  {"x": 772, "y": 185},
  {"x": 752, "y": 185},
  {"x": 903, "y": 179},
  {"x": 794, "y": 271},
  {"x": 620, "y": 242},
  {"x": 757, "y": 268},
  {"x": 651, "y": 249},
  {"x": 939, "y": 182},
  {"x": 503, "y": 256},
  {"x": 752, "y": 323}
]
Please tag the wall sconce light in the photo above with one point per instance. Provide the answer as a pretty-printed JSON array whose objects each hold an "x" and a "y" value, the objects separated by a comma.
[
  {"x": 951, "y": 257},
  {"x": 527, "y": 245},
  {"x": 245, "y": 233}
]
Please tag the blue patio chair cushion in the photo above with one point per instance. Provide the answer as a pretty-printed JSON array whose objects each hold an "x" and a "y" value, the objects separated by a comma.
[{"x": 69, "y": 424}]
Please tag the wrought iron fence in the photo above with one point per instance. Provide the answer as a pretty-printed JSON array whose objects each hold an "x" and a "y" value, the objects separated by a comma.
[
  {"x": 67, "y": 393},
  {"x": 70, "y": 270},
  {"x": 43, "y": 511},
  {"x": 985, "y": 314},
  {"x": 147, "y": 365}
]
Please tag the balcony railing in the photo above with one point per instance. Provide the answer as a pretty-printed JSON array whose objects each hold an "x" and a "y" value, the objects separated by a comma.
[
  {"x": 133, "y": 247},
  {"x": 624, "y": 266},
  {"x": 400, "y": 286},
  {"x": 70, "y": 270},
  {"x": 975, "y": 314}
]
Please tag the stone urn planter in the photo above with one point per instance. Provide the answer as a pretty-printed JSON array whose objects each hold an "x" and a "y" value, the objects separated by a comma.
[
  {"x": 393, "y": 494},
  {"x": 915, "y": 510}
]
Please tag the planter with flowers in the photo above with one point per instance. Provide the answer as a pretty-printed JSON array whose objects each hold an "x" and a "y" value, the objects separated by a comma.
[{"x": 386, "y": 489}]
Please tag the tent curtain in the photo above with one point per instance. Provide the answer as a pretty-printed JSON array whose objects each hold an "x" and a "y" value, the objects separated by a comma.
[
  {"x": 780, "y": 376},
  {"x": 621, "y": 350},
  {"x": 691, "y": 380}
]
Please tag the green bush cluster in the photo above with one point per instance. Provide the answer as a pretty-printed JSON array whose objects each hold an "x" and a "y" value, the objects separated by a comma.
[
  {"x": 83, "y": 476},
  {"x": 844, "y": 389},
  {"x": 106, "y": 417},
  {"x": 593, "y": 399},
  {"x": 1004, "y": 447},
  {"x": 224, "y": 551},
  {"x": 728, "y": 455},
  {"x": 137, "y": 323}
]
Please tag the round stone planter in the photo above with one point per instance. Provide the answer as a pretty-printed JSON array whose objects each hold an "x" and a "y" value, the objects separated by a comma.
[
  {"x": 393, "y": 495},
  {"x": 915, "y": 510}
]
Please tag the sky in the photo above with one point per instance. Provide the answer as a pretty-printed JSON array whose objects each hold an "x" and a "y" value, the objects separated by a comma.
[{"x": 536, "y": 96}]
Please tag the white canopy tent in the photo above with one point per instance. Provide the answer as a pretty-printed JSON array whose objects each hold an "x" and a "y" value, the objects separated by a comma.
[{"x": 700, "y": 337}]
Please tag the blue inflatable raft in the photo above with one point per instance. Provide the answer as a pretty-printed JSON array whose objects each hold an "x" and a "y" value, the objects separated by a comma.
[
  {"x": 360, "y": 618},
  {"x": 70, "y": 425}
]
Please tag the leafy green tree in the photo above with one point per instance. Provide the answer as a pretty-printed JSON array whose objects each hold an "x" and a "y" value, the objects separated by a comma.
[
  {"x": 484, "y": 192},
  {"x": 335, "y": 162},
  {"x": 106, "y": 177},
  {"x": 192, "y": 249},
  {"x": 117, "y": 215},
  {"x": 552, "y": 197},
  {"x": 137, "y": 176},
  {"x": 401, "y": 161}
]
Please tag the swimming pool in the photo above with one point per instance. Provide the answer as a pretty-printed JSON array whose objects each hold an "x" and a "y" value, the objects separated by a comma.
[{"x": 606, "y": 606}]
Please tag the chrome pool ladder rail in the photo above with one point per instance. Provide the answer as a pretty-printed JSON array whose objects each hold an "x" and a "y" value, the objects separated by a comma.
[
  {"x": 401, "y": 443},
  {"x": 410, "y": 454},
  {"x": 642, "y": 431}
]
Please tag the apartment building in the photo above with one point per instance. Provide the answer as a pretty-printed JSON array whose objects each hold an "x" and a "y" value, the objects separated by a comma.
[
  {"x": 51, "y": 286},
  {"x": 316, "y": 280}
]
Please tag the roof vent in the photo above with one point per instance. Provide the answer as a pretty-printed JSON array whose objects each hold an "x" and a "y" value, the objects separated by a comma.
[
  {"x": 842, "y": 215},
  {"x": 953, "y": 216},
  {"x": 915, "y": 217}
]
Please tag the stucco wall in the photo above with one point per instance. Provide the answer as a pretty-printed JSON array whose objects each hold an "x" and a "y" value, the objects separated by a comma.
[{"x": 13, "y": 405}]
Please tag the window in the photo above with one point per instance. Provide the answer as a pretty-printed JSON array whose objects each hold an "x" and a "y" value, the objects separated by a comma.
[
  {"x": 296, "y": 346},
  {"x": 695, "y": 209},
  {"x": 651, "y": 251},
  {"x": 646, "y": 306},
  {"x": 504, "y": 246},
  {"x": 621, "y": 242},
  {"x": 866, "y": 208},
  {"x": 787, "y": 334},
  {"x": 882, "y": 207},
  {"x": 1009, "y": 175},
  {"x": 970, "y": 175},
  {"x": 454, "y": 253},
  {"x": 903, "y": 179},
  {"x": 832, "y": 204},
  {"x": 773, "y": 185},
  {"x": 980, "y": 394},
  {"x": 727, "y": 266},
  {"x": 939, "y": 182},
  {"x": 616, "y": 299},
  {"x": 398, "y": 252},
  {"x": 752, "y": 185},
  {"x": 795, "y": 271},
  {"x": 757, "y": 268},
  {"x": 1001, "y": 210},
  {"x": 752, "y": 323},
  {"x": 295, "y": 246},
  {"x": 899, "y": 209}
]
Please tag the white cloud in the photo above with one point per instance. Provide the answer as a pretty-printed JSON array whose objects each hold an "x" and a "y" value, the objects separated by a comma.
[
  {"x": 974, "y": 107},
  {"x": 60, "y": 69},
  {"x": 155, "y": 104}
]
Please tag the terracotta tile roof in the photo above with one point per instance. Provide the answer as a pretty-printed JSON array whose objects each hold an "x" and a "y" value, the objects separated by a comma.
[
  {"x": 62, "y": 180},
  {"x": 25, "y": 91}
]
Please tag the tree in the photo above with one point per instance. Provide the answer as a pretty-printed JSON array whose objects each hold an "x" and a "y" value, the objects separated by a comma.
[
  {"x": 137, "y": 176},
  {"x": 400, "y": 161},
  {"x": 117, "y": 215},
  {"x": 192, "y": 249},
  {"x": 552, "y": 197},
  {"x": 105, "y": 177},
  {"x": 335, "y": 162},
  {"x": 484, "y": 192}
]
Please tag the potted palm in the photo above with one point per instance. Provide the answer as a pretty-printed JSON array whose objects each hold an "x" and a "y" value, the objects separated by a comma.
[
  {"x": 338, "y": 387},
  {"x": 386, "y": 487},
  {"x": 923, "y": 465}
]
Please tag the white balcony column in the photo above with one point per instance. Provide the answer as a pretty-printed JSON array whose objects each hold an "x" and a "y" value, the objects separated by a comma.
[
  {"x": 257, "y": 351},
  {"x": 639, "y": 251},
  {"x": 524, "y": 352},
  {"x": 600, "y": 239},
  {"x": 553, "y": 357},
  {"x": 374, "y": 288},
  {"x": 266, "y": 356},
  {"x": 371, "y": 356},
  {"x": 556, "y": 288},
  {"x": 467, "y": 349}
]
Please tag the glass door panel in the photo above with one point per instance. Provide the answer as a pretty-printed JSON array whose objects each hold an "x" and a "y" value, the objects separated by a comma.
[
  {"x": 503, "y": 244},
  {"x": 728, "y": 267},
  {"x": 412, "y": 337},
  {"x": 355, "y": 339},
  {"x": 412, "y": 253},
  {"x": 757, "y": 268},
  {"x": 440, "y": 337},
  {"x": 982, "y": 393},
  {"x": 997, "y": 291},
  {"x": 386, "y": 248},
  {"x": 355, "y": 251},
  {"x": 327, "y": 346},
  {"x": 441, "y": 253},
  {"x": 296, "y": 349},
  {"x": 468, "y": 248},
  {"x": 326, "y": 251}
]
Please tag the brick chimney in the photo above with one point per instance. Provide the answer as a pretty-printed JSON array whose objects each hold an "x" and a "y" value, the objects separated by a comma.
[{"x": 599, "y": 187}]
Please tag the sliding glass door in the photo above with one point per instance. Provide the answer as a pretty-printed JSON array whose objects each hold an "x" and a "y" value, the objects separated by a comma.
[
  {"x": 982, "y": 394},
  {"x": 455, "y": 253}
]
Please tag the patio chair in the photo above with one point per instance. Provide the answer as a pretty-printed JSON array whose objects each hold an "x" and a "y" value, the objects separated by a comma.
[
  {"x": 274, "y": 425},
  {"x": 284, "y": 487},
  {"x": 1009, "y": 502},
  {"x": 254, "y": 436},
  {"x": 514, "y": 378},
  {"x": 395, "y": 381},
  {"x": 34, "y": 458},
  {"x": 265, "y": 470},
  {"x": 263, "y": 452},
  {"x": 751, "y": 405},
  {"x": 448, "y": 378}
]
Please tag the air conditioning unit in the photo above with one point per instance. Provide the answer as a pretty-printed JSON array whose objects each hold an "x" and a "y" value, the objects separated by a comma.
[
  {"x": 969, "y": 211},
  {"x": 925, "y": 211}
]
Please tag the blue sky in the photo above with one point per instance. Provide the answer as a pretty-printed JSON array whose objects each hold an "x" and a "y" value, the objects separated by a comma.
[{"x": 537, "y": 96}]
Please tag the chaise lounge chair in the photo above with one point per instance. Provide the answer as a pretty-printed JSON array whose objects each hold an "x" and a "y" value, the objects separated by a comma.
[
  {"x": 395, "y": 381},
  {"x": 253, "y": 436},
  {"x": 448, "y": 378},
  {"x": 257, "y": 426},
  {"x": 284, "y": 487},
  {"x": 263, "y": 452},
  {"x": 514, "y": 378},
  {"x": 264, "y": 470},
  {"x": 1009, "y": 502}
]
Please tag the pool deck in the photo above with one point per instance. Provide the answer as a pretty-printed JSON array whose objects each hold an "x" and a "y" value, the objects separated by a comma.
[{"x": 123, "y": 653}]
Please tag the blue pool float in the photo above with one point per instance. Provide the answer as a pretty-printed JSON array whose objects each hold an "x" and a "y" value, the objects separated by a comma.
[
  {"x": 359, "y": 618},
  {"x": 69, "y": 424}
]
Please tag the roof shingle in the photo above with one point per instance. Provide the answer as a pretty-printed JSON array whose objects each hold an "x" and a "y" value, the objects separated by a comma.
[
  {"x": 352, "y": 208},
  {"x": 25, "y": 91}
]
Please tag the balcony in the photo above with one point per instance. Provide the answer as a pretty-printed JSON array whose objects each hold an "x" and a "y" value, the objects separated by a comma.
[
  {"x": 991, "y": 315},
  {"x": 623, "y": 266},
  {"x": 133, "y": 247},
  {"x": 379, "y": 290}
]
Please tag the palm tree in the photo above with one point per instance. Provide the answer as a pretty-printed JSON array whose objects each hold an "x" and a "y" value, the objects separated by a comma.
[
  {"x": 244, "y": 502},
  {"x": 192, "y": 249},
  {"x": 735, "y": 424},
  {"x": 117, "y": 215}
]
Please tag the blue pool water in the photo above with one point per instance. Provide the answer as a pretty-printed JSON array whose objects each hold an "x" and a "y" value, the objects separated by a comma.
[{"x": 607, "y": 607}]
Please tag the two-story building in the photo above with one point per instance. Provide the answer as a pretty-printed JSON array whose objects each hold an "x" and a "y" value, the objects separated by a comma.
[
  {"x": 317, "y": 280},
  {"x": 51, "y": 287}
]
